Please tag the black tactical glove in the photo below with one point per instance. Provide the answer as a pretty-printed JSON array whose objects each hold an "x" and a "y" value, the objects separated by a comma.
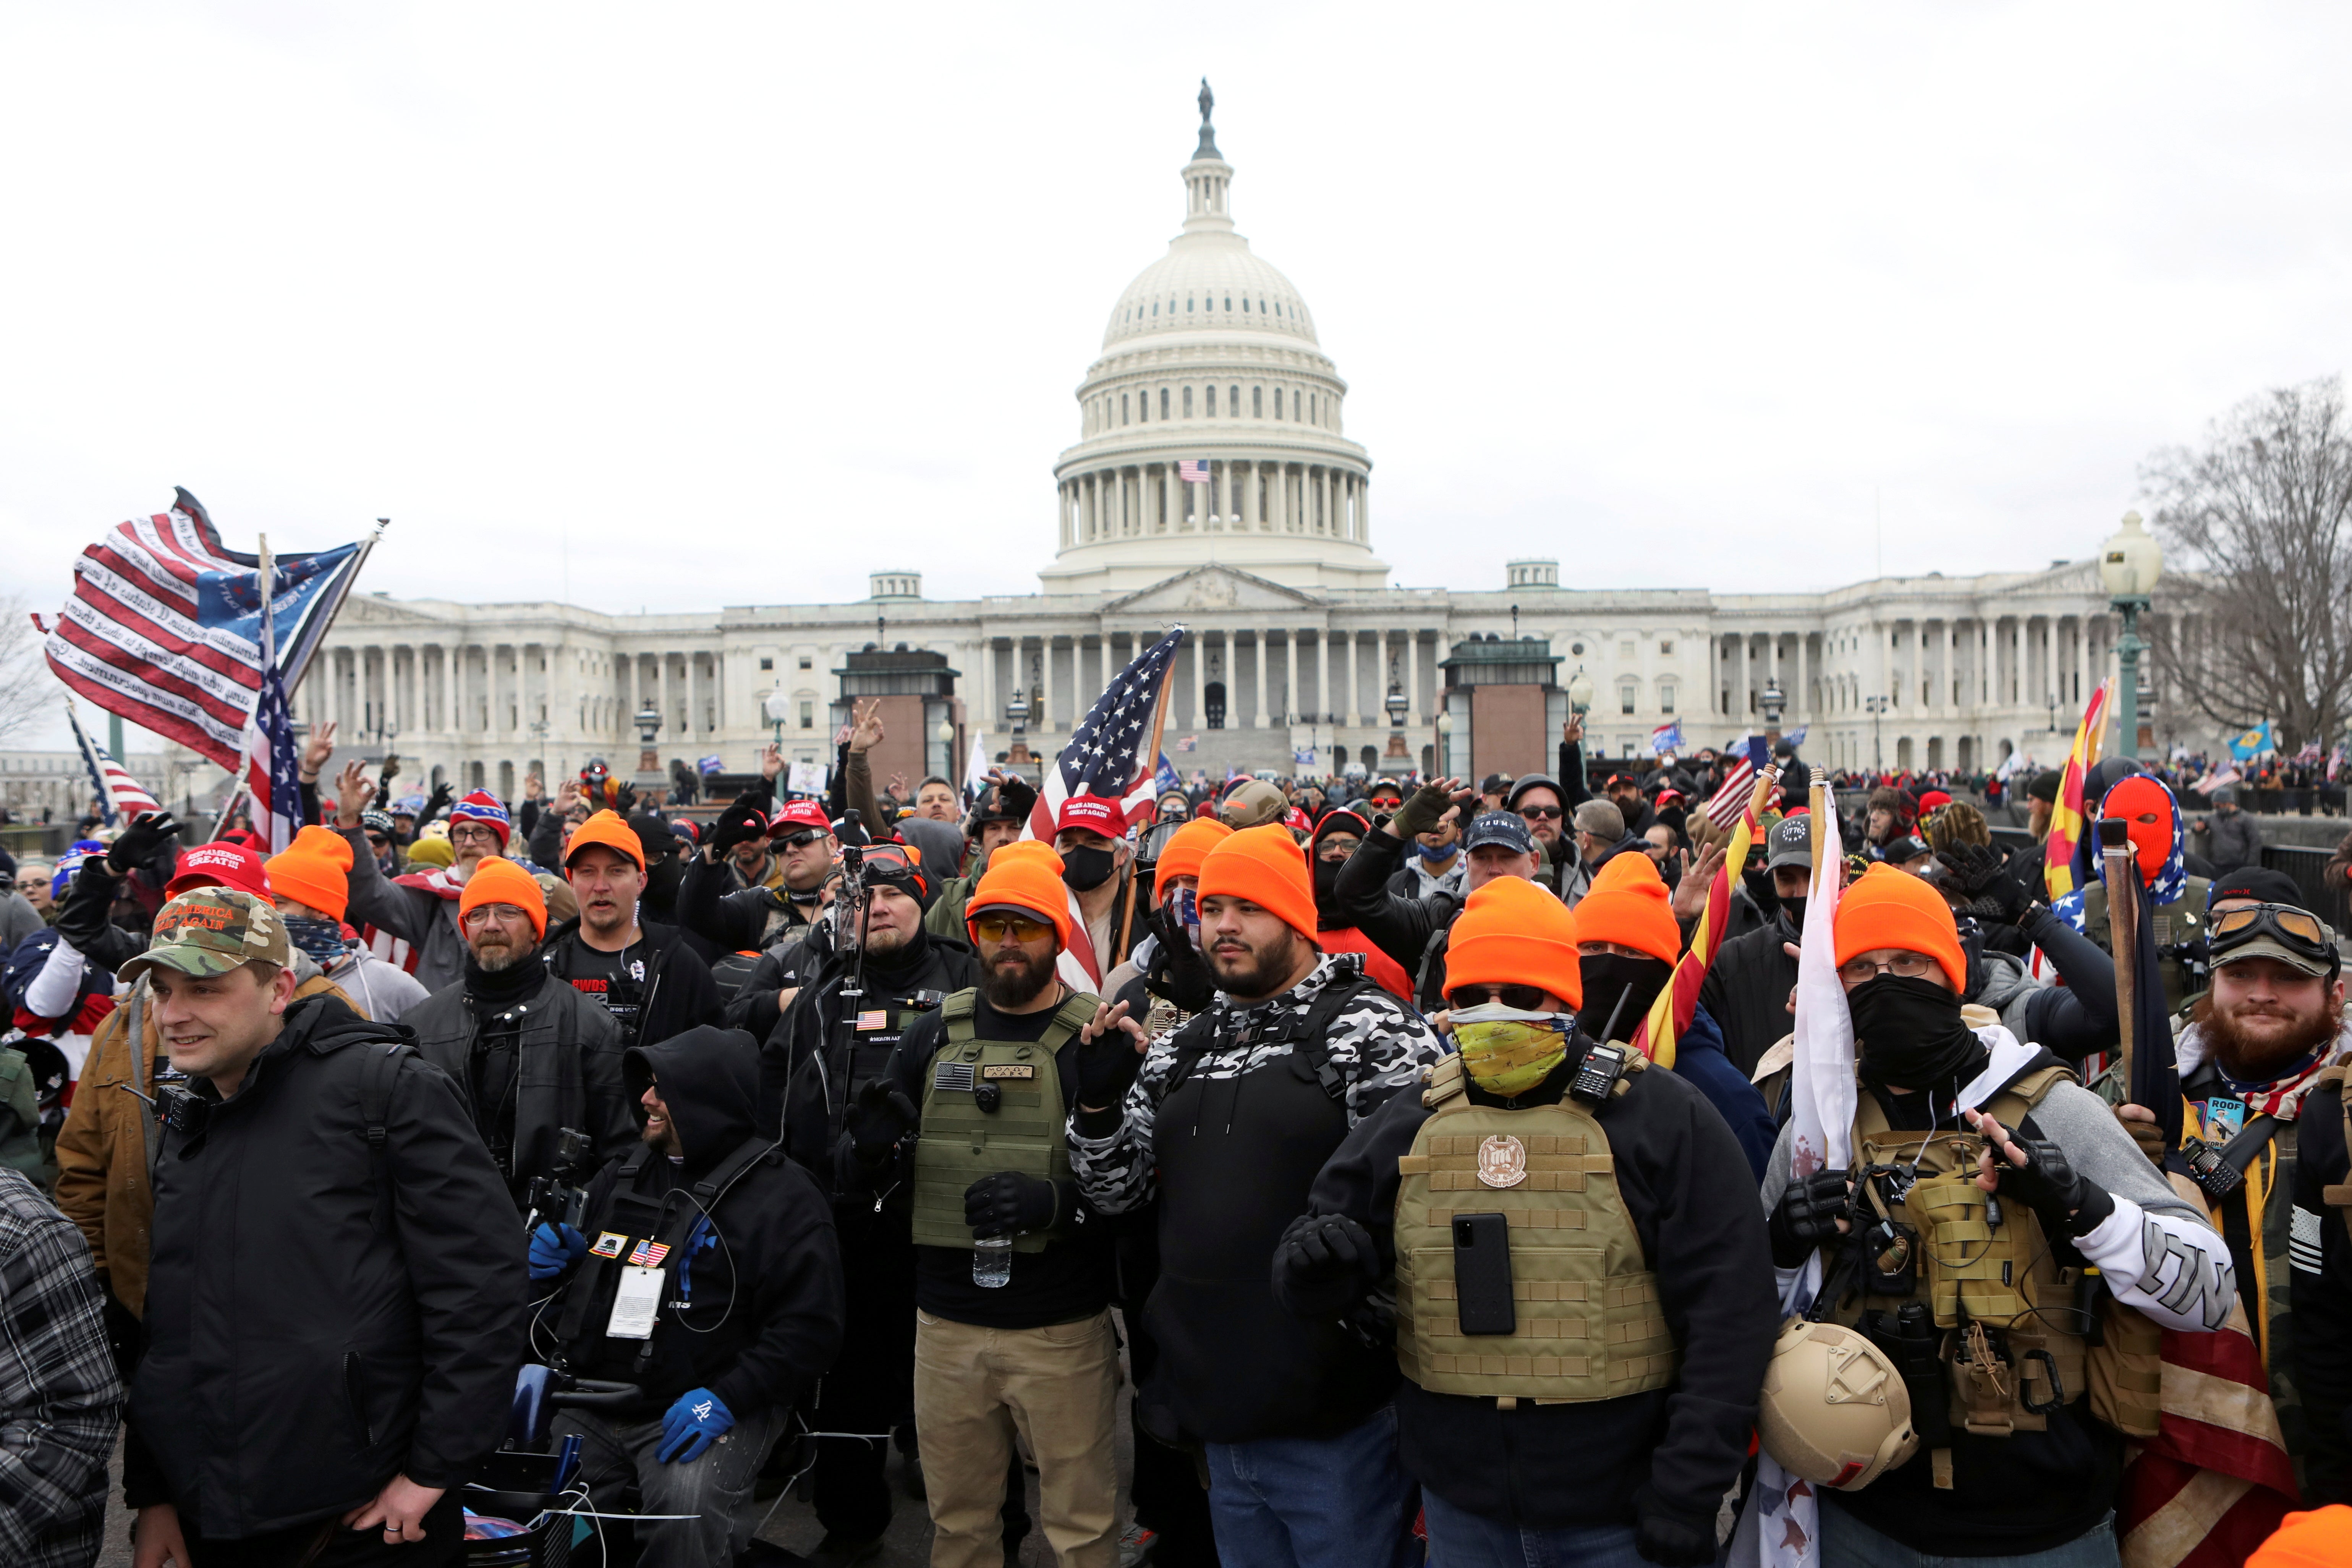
[
  {"x": 1009, "y": 1203},
  {"x": 624, "y": 799},
  {"x": 1106, "y": 1067},
  {"x": 1421, "y": 811},
  {"x": 1666, "y": 1533},
  {"x": 877, "y": 1118},
  {"x": 739, "y": 823},
  {"x": 2066, "y": 1201},
  {"x": 436, "y": 803},
  {"x": 1983, "y": 875},
  {"x": 1177, "y": 971},
  {"x": 1323, "y": 1266},
  {"x": 1807, "y": 1215},
  {"x": 140, "y": 842}
]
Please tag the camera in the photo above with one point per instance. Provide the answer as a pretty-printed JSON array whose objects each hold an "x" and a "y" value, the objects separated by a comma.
[{"x": 559, "y": 1196}]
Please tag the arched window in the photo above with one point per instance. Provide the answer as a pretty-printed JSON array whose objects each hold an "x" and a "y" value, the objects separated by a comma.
[
  {"x": 1229, "y": 305},
  {"x": 1188, "y": 403},
  {"x": 1233, "y": 401},
  {"x": 1294, "y": 403},
  {"x": 1163, "y": 403},
  {"x": 1257, "y": 404},
  {"x": 1210, "y": 392},
  {"x": 1122, "y": 416},
  {"x": 1143, "y": 406},
  {"x": 1277, "y": 402},
  {"x": 1155, "y": 307},
  {"x": 1244, "y": 311},
  {"x": 1314, "y": 413},
  {"x": 1187, "y": 304}
]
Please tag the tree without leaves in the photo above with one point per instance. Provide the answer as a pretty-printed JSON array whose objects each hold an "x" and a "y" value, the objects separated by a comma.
[
  {"x": 2261, "y": 514},
  {"x": 28, "y": 692}
]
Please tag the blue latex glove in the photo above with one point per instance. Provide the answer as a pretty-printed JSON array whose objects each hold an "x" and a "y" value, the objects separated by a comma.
[
  {"x": 692, "y": 1425},
  {"x": 555, "y": 1248}
]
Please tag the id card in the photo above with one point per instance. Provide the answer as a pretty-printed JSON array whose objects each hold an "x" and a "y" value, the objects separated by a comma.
[
  {"x": 635, "y": 1303},
  {"x": 2223, "y": 1119}
]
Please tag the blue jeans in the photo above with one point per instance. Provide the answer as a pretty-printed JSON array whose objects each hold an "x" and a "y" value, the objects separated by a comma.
[
  {"x": 1847, "y": 1543},
  {"x": 1461, "y": 1540},
  {"x": 1314, "y": 1502}
]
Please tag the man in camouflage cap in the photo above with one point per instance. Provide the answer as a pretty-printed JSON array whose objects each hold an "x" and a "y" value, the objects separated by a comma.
[{"x": 335, "y": 1296}]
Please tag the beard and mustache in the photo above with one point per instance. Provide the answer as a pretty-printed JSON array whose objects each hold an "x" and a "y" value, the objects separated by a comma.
[
  {"x": 2254, "y": 1056},
  {"x": 1014, "y": 979}
]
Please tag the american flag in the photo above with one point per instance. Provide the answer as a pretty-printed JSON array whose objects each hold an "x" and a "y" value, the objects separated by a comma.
[
  {"x": 120, "y": 798},
  {"x": 272, "y": 772},
  {"x": 165, "y": 626},
  {"x": 1192, "y": 470},
  {"x": 1724, "y": 807},
  {"x": 1109, "y": 757}
]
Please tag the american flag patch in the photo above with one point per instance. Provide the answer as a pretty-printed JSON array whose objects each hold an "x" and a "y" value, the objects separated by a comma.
[
  {"x": 875, "y": 1020},
  {"x": 648, "y": 1254}
]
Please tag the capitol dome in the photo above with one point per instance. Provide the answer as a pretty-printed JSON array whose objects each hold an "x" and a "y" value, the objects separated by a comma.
[{"x": 1211, "y": 427}]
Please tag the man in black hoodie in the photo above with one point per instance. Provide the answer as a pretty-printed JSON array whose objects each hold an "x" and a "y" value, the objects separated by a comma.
[
  {"x": 334, "y": 1307},
  {"x": 836, "y": 1037},
  {"x": 712, "y": 1283},
  {"x": 653, "y": 984}
]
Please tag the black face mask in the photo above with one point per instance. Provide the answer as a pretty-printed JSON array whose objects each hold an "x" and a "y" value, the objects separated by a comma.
[
  {"x": 1911, "y": 1035},
  {"x": 1795, "y": 909},
  {"x": 1326, "y": 881},
  {"x": 1084, "y": 870},
  {"x": 1609, "y": 977},
  {"x": 1758, "y": 883}
]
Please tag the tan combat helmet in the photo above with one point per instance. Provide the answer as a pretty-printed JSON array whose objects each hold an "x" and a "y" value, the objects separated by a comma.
[{"x": 1834, "y": 1409}]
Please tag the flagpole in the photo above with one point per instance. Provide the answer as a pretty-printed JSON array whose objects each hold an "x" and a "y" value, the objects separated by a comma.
[
  {"x": 367, "y": 547},
  {"x": 1159, "y": 726},
  {"x": 265, "y": 582}
]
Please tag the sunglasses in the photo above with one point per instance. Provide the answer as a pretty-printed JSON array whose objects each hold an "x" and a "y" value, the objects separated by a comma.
[
  {"x": 378, "y": 839},
  {"x": 1541, "y": 813},
  {"x": 1526, "y": 998},
  {"x": 1009, "y": 928},
  {"x": 799, "y": 840},
  {"x": 2297, "y": 931}
]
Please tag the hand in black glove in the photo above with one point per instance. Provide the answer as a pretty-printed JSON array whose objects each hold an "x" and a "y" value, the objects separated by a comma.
[
  {"x": 739, "y": 823},
  {"x": 1110, "y": 1051},
  {"x": 624, "y": 799},
  {"x": 877, "y": 1118},
  {"x": 1009, "y": 1203},
  {"x": 1812, "y": 1213},
  {"x": 436, "y": 803},
  {"x": 1666, "y": 1533},
  {"x": 1425, "y": 805},
  {"x": 2036, "y": 1171},
  {"x": 1323, "y": 1265},
  {"x": 1982, "y": 872},
  {"x": 140, "y": 841},
  {"x": 1177, "y": 971}
]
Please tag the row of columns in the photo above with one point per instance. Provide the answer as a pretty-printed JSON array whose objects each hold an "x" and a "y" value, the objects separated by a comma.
[
  {"x": 1241, "y": 496},
  {"x": 1983, "y": 663},
  {"x": 1035, "y": 670},
  {"x": 500, "y": 688}
]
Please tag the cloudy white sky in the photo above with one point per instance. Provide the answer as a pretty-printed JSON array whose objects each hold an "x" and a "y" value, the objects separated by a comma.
[{"x": 679, "y": 306}]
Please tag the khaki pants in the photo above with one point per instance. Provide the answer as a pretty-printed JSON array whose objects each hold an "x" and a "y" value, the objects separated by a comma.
[{"x": 1057, "y": 1385}]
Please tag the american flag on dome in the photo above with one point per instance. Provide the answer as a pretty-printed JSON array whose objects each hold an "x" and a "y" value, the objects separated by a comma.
[
  {"x": 165, "y": 626},
  {"x": 1725, "y": 805},
  {"x": 1192, "y": 470},
  {"x": 120, "y": 798},
  {"x": 1110, "y": 756}
]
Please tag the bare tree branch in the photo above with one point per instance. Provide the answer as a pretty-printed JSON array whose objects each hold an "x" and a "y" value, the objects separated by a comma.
[
  {"x": 28, "y": 691},
  {"x": 2262, "y": 516}
]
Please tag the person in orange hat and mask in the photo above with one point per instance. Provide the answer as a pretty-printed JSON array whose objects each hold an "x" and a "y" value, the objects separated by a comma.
[
  {"x": 309, "y": 881},
  {"x": 1966, "y": 1112},
  {"x": 1253, "y": 1095},
  {"x": 1524, "y": 1454}
]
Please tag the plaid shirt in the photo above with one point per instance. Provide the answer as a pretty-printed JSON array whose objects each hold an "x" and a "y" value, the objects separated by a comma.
[{"x": 59, "y": 1396}]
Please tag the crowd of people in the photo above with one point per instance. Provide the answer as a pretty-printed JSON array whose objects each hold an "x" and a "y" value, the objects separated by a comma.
[{"x": 875, "y": 1141}]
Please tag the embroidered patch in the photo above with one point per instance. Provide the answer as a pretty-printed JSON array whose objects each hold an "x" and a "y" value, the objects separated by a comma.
[
  {"x": 1502, "y": 1160},
  {"x": 609, "y": 1244}
]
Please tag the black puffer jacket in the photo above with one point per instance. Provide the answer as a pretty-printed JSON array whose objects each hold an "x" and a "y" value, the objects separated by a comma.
[{"x": 321, "y": 1316}]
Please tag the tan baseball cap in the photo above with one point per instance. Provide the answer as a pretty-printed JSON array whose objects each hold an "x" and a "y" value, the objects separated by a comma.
[
  {"x": 1253, "y": 804},
  {"x": 211, "y": 931}
]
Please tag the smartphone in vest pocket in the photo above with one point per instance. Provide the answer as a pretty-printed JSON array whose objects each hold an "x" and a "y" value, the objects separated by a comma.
[{"x": 1482, "y": 1274}]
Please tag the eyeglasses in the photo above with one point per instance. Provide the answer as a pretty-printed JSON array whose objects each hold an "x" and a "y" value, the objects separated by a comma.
[
  {"x": 482, "y": 914},
  {"x": 1009, "y": 928},
  {"x": 1526, "y": 998},
  {"x": 472, "y": 835},
  {"x": 800, "y": 841},
  {"x": 1541, "y": 813},
  {"x": 1908, "y": 965}
]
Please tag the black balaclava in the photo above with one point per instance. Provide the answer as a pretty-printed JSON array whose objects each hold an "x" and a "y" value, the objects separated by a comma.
[
  {"x": 1326, "y": 887},
  {"x": 1911, "y": 1036},
  {"x": 1610, "y": 976}
]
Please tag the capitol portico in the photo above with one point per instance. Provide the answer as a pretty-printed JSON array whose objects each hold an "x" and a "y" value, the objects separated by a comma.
[{"x": 1210, "y": 365}]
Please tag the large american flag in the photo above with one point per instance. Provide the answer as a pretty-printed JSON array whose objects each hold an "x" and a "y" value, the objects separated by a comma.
[
  {"x": 120, "y": 798},
  {"x": 165, "y": 626},
  {"x": 1725, "y": 805},
  {"x": 1110, "y": 756},
  {"x": 1192, "y": 470},
  {"x": 272, "y": 776}
]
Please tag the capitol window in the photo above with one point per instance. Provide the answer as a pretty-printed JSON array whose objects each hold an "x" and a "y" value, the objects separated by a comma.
[
  {"x": 1187, "y": 304},
  {"x": 257, "y": 577},
  {"x": 1277, "y": 402},
  {"x": 1257, "y": 411},
  {"x": 1625, "y": 695},
  {"x": 1143, "y": 406},
  {"x": 1293, "y": 405},
  {"x": 1666, "y": 697},
  {"x": 1210, "y": 393},
  {"x": 1234, "y": 402},
  {"x": 1155, "y": 310},
  {"x": 1163, "y": 403},
  {"x": 1122, "y": 419},
  {"x": 1229, "y": 305},
  {"x": 1188, "y": 403}
]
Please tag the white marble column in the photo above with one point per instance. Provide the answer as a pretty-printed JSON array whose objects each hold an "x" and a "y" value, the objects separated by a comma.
[
  {"x": 1802, "y": 708},
  {"x": 1257, "y": 687},
  {"x": 1355, "y": 690},
  {"x": 1740, "y": 710},
  {"x": 1380, "y": 672},
  {"x": 1200, "y": 715},
  {"x": 1323, "y": 703},
  {"x": 1364, "y": 510},
  {"x": 1413, "y": 676},
  {"x": 1045, "y": 699},
  {"x": 1946, "y": 688}
]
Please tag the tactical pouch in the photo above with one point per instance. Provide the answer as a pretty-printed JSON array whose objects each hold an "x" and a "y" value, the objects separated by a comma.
[
  {"x": 1984, "y": 1387},
  {"x": 2126, "y": 1371},
  {"x": 1974, "y": 1269}
]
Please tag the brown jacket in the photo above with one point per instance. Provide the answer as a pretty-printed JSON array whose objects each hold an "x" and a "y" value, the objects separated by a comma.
[{"x": 102, "y": 1150}]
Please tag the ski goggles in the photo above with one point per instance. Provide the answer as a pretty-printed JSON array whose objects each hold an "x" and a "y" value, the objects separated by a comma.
[{"x": 2295, "y": 937}]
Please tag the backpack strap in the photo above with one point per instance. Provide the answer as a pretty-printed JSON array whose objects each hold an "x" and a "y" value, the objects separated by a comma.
[
  {"x": 2338, "y": 1195},
  {"x": 376, "y": 1074},
  {"x": 1311, "y": 1036}
]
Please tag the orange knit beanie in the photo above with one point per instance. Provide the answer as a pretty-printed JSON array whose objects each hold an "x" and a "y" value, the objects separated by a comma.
[
  {"x": 1266, "y": 866},
  {"x": 315, "y": 870},
  {"x": 498, "y": 880},
  {"x": 1513, "y": 932},
  {"x": 1628, "y": 906},
  {"x": 1182, "y": 854},
  {"x": 1890, "y": 908},
  {"x": 1024, "y": 874}
]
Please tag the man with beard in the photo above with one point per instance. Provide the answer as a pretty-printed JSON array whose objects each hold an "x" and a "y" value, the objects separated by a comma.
[
  {"x": 836, "y": 1039},
  {"x": 530, "y": 1054},
  {"x": 1226, "y": 1121},
  {"x": 420, "y": 907},
  {"x": 1629, "y": 941},
  {"x": 1601, "y": 1421},
  {"x": 1013, "y": 1276},
  {"x": 646, "y": 975},
  {"x": 1962, "y": 1131},
  {"x": 2250, "y": 1059}
]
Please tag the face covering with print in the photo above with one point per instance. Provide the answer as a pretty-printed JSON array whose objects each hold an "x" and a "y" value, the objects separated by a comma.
[
  {"x": 1505, "y": 1051},
  {"x": 1084, "y": 870},
  {"x": 1911, "y": 1036},
  {"x": 1612, "y": 976},
  {"x": 322, "y": 940}
]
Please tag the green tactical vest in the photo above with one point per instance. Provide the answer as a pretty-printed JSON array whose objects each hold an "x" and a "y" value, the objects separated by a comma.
[
  {"x": 960, "y": 1142},
  {"x": 1589, "y": 1326}
]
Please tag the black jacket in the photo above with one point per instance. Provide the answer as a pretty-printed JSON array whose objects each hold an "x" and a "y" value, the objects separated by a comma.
[
  {"x": 761, "y": 1318},
  {"x": 1409, "y": 930},
  {"x": 679, "y": 990},
  {"x": 321, "y": 1316},
  {"x": 1685, "y": 1186},
  {"x": 1747, "y": 990},
  {"x": 2320, "y": 1292},
  {"x": 84, "y": 917},
  {"x": 734, "y": 921},
  {"x": 567, "y": 1071}
]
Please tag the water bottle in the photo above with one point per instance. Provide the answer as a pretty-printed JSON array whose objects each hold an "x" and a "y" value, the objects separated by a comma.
[{"x": 991, "y": 1261}]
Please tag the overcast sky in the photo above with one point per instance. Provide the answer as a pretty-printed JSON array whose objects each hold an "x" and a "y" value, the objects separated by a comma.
[{"x": 684, "y": 306}]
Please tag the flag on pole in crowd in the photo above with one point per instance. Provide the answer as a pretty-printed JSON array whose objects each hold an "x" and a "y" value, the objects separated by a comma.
[
  {"x": 1109, "y": 757},
  {"x": 1677, "y": 1001},
  {"x": 2254, "y": 743},
  {"x": 2311, "y": 753},
  {"x": 165, "y": 626},
  {"x": 1192, "y": 470},
  {"x": 272, "y": 773},
  {"x": 1188, "y": 742},
  {"x": 1667, "y": 737},
  {"x": 1724, "y": 807},
  {"x": 1303, "y": 756},
  {"x": 120, "y": 798},
  {"x": 975, "y": 771},
  {"x": 2066, "y": 812},
  {"x": 2214, "y": 780},
  {"x": 1795, "y": 737},
  {"x": 707, "y": 766},
  {"x": 1163, "y": 777}
]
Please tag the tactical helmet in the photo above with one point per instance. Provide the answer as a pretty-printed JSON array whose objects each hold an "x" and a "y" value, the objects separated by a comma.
[{"x": 1834, "y": 1409}]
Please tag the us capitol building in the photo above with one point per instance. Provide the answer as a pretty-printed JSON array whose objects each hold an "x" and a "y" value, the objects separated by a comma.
[{"x": 1301, "y": 643}]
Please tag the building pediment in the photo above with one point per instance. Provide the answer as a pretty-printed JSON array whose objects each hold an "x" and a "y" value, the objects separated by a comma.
[{"x": 1210, "y": 588}]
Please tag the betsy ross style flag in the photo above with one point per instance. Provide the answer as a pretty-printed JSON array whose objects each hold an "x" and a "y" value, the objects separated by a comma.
[
  {"x": 165, "y": 626},
  {"x": 121, "y": 799}
]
